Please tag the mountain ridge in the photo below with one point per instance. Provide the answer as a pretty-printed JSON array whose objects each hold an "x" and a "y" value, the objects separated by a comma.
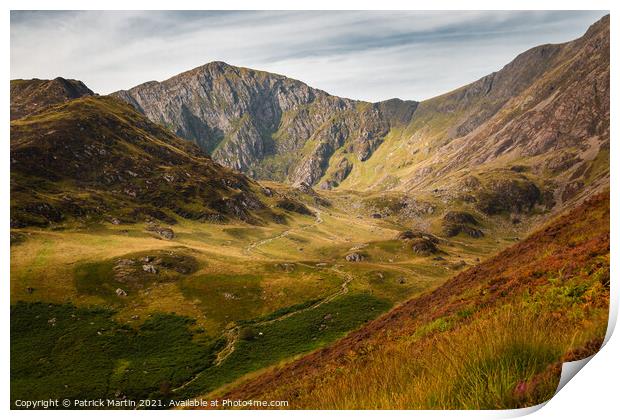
[
  {"x": 32, "y": 96},
  {"x": 287, "y": 109},
  {"x": 273, "y": 127},
  {"x": 96, "y": 158}
]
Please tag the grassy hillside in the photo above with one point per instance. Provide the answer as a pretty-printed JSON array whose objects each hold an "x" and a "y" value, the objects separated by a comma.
[
  {"x": 546, "y": 113},
  {"x": 141, "y": 268},
  {"x": 240, "y": 297},
  {"x": 96, "y": 158},
  {"x": 491, "y": 337},
  {"x": 32, "y": 96}
]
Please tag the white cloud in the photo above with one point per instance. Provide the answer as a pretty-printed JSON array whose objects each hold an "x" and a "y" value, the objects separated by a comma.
[{"x": 361, "y": 55}]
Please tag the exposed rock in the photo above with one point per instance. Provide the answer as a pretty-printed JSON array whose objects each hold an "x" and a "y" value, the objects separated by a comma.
[
  {"x": 354, "y": 257},
  {"x": 460, "y": 217},
  {"x": 304, "y": 187},
  {"x": 120, "y": 292},
  {"x": 410, "y": 234},
  {"x": 455, "y": 222},
  {"x": 342, "y": 170},
  {"x": 163, "y": 232},
  {"x": 286, "y": 267},
  {"x": 453, "y": 229},
  {"x": 234, "y": 113},
  {"x": 149, "y": 268}
]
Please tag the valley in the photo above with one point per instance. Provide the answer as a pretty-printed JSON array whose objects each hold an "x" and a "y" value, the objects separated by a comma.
[
  {"x": 234, "y": 233},
  {"x": 249, "y": 296}
]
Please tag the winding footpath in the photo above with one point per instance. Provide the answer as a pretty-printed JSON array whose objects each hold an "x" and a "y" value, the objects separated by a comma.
[
  {"x": 232, "y": 334},
  {"x": 255, "y": 245}
]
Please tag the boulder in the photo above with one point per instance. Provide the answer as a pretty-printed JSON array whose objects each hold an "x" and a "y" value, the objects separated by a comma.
[
  {"x": 149, "y": 268},
  {"x": 459, "y": 217},
  {"x": 120, "y": 292},
  {"x": 163, "y": 232},
  {"x": 166, "y": 233},
  {"x": 417, "y": 234},
  {"x": 354, "y": 257}
]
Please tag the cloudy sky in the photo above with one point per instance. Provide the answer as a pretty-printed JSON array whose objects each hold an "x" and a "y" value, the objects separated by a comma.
[{"x": 357, "y": 54}]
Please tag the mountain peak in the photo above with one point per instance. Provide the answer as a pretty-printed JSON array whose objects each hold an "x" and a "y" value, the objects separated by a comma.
[
  {"x": 31, "y": 96},
  {"x": 273, "y": 127}
]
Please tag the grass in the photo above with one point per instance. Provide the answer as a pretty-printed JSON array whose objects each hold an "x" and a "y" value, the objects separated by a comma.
[
  {"x": 450, "y": 364},
  {"x": 60, "y": 351},
  {"x": 492, "y": 337},
  {"x": 302, "y": 332},
  {"x": 230, "y": 286},
  {"x": 446, "y": 366}
]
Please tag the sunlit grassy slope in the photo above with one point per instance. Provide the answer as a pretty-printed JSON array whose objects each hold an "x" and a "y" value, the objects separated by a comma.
[
  {"x": 492, "y": 337},
  {"x": 239, "y": 297}
]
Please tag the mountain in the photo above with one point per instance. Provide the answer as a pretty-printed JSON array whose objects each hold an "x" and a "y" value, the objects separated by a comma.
[
  {"x": 538, "y": 129},
  {"x": 543, "y": 120},
  {"x": 491, "y": 337},
  {"x": 96, "y": 158},
  {"x": 264, "y": 124},
  {"x": 31, "y": 96}
]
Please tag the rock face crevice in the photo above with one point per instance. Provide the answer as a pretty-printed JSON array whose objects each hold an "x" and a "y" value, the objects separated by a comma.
[{"x": 264, "y": 124}]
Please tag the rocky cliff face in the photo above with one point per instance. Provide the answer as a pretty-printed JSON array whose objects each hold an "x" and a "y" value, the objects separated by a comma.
[
  {"x": 541, "y": 123},
  {"x": 263, "y": 124}
]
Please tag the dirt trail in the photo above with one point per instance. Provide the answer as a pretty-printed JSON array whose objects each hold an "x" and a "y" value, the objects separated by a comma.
[
  {"x": 254, "y": 245},
  {"x": 232, "y": 334}
]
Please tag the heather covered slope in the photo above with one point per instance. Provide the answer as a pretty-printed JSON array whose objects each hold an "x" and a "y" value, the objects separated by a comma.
[
  {"x": 96, "y": 158},
  {"x": 491, "y": 337},
  {"x": 32, "y": 96}
]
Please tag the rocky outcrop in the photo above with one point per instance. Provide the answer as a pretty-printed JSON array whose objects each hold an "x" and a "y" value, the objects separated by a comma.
[
  {"x": 354, "y": 257},
  {"x": 340, "y": 173},
  {"x": 162, "y": 232},
  {"x": 264, "y": 124},
  {"x": 423, "y": 247},
  {"x": 455, "y": 222},
  {"x": 416, "y": 234}
]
